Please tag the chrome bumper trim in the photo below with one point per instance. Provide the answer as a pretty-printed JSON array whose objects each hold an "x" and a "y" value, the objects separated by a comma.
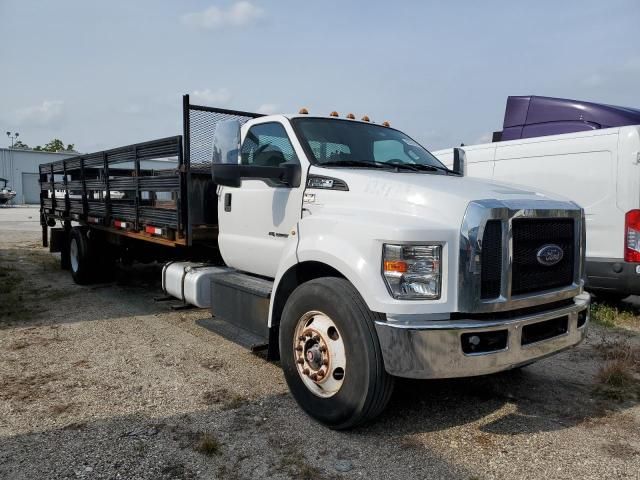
[{"x": 432, "y": 348}]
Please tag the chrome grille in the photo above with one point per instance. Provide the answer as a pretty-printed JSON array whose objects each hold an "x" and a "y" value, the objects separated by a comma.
[
  {"x": 529, "y": 236},
  {"x": 499, "y": 243}
]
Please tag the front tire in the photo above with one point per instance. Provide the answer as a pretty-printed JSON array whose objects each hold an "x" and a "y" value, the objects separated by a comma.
[{"x": 331, "y": 356}]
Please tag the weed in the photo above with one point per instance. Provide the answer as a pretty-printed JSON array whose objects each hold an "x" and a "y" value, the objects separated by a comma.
[
  {"x": 208, "y": 445},
  {"x": 226, "y": 399},
  {"x": 616, "y": 373},
  {"x": 617, "y": 377},
  {"x": 295, "y": 464}
]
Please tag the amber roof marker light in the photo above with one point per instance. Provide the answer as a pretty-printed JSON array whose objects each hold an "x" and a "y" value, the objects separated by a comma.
[
  {"x": 351, "y": 116},
  {"x": 303, "y": 111},
  {"x": 334, "y": 114},
  {"x": 386, "y": 124},
  {"x": 366, "y": 118}
]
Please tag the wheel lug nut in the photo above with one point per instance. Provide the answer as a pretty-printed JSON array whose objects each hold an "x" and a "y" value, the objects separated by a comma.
[
  {"x": 314, "y": 376},
  {"x": 323, "y": 349},
  {"x": 325, "y": 361},
  {"x": 300, "y": 361},
  {"x": 299, "y": 349},
  {"x": 316, "y": 338},
  {"x": 302, "y": 338},
  {"x": 305, "y": 371}
]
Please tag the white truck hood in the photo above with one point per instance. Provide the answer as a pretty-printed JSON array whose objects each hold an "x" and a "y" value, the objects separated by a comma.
[{"x": 441, "y": 198}]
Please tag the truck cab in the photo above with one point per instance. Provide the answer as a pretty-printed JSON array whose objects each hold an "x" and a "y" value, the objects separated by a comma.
[{"x": 385, "y": 263}]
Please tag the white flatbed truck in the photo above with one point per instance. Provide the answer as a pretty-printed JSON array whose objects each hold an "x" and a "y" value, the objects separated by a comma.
[{"x": 344, "y": 248}]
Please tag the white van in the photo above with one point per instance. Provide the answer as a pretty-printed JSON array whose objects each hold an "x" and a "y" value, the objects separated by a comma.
[{"x": 598, "y": 169}]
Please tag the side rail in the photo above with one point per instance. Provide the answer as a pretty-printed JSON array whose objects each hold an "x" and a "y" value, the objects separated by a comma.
[{"x": 135, "y": 190}]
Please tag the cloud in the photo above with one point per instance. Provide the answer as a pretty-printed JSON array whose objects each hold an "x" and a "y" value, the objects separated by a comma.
[
  {"x": 594, "y": 80},
  {"x": 132, "y": 109},
  {"x": 484, "y": 138},
  {"x": 632, "y": 65},
  {"x": 239, "y": 14},
  {"x": 215, "y": 98},
  {"x": 268, "y": 108},
  {"x": 45, "y": 114}
]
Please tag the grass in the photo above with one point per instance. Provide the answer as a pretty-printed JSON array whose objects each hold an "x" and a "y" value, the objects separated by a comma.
[
  {"x": 610, "y": 316},
  {"x": 208, "y": 445}
]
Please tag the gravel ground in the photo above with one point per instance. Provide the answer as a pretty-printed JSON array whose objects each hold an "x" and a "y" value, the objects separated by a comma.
[{"x": 101, "y": 382}]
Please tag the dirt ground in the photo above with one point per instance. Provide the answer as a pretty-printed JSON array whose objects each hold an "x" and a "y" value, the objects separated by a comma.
[{"x": 102, "y": 382}]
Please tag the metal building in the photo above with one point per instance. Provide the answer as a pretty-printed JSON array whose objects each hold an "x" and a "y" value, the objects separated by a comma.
[{"x": 20, "y": 167}]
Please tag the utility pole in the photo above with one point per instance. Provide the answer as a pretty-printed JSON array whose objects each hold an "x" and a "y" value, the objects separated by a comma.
[{"x": 13, "y": 137}]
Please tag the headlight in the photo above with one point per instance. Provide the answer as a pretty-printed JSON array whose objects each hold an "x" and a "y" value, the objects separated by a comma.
[{"x": 412, "y": 272}]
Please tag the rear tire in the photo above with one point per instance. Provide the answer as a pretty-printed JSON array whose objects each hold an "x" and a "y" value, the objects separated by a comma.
[
  {"x": 81, "y": 262},
  {"x": 326, "y": 327},
  {"x": 65, "y": 262}
]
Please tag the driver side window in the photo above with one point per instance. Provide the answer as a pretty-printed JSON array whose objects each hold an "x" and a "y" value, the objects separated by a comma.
[{"x": 267, "y": 145}]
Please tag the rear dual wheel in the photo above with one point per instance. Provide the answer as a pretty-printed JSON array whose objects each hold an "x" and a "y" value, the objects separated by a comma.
[
  {"x": 81, "y": 262},
  {"x": 89, "y": 259},
  {"x": 331, "y": 356}
]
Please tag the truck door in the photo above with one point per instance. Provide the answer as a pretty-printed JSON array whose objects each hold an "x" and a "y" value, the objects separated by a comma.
[{"x": 259, "y": 218}]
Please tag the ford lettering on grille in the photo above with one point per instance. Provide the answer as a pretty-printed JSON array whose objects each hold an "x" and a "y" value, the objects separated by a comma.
[{"x": 549, "y": 254}]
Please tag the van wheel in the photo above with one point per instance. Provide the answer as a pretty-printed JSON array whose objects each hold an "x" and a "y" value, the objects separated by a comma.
[
  {"x": 80, "y": 261},
  {"x": 331, "y": 356}
]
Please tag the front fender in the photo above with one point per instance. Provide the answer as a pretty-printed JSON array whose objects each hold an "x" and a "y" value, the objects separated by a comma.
[{"x": 352, "y": 245}]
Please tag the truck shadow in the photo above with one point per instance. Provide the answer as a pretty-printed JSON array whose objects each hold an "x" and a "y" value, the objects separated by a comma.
[
  {"x": 246, "y": 441},
  {"x": 553, "y": 394},
  {"x": 35, "y": 291}
]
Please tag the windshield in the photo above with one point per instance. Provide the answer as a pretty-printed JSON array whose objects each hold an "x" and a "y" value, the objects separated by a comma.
[{"x": 334, "y": 142}]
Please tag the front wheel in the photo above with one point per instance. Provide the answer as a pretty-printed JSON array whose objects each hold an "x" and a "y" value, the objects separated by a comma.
[{"x": 330, "y": 354}]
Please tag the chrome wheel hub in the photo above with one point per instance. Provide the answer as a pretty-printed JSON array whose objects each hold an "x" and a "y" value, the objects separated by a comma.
[{"x": 320, "y": 354}]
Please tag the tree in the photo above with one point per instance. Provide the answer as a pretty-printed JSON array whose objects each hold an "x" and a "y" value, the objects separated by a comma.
[
  {"x": 20, "y": 144},
  {"x": 55, "y": 145}
]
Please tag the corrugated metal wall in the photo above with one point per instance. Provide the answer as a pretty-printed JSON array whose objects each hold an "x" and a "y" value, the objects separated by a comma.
[{"x": 15, "y": 162}]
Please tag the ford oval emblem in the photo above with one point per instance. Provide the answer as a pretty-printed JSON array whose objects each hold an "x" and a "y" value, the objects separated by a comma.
[{"x": 549, "y": 255}]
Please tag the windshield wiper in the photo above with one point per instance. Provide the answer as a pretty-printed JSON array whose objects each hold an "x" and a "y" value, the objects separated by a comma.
[
  {"x": 414, "y": 167},
  {"x": 356, "y": 163},
  {"x": 421, "y": 167},
  {"x": 445, "y": 169}
]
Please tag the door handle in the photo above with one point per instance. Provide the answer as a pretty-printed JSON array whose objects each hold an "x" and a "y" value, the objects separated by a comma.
[{"x": 227, "y": 202}]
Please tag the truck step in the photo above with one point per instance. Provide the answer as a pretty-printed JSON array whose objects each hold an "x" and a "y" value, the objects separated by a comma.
[
  {"x": 241, "y": 301},
  {"x": 234, "y": 333}
]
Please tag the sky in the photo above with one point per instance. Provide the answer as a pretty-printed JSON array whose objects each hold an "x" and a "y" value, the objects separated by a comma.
[{"x": 101, "y": 74}]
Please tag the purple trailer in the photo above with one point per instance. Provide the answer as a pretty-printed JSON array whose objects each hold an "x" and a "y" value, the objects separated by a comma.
[{"x": 534, "y": 116}]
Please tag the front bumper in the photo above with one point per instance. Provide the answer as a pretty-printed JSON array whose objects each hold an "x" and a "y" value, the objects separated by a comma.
[{"x": 425, "y": 348}]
